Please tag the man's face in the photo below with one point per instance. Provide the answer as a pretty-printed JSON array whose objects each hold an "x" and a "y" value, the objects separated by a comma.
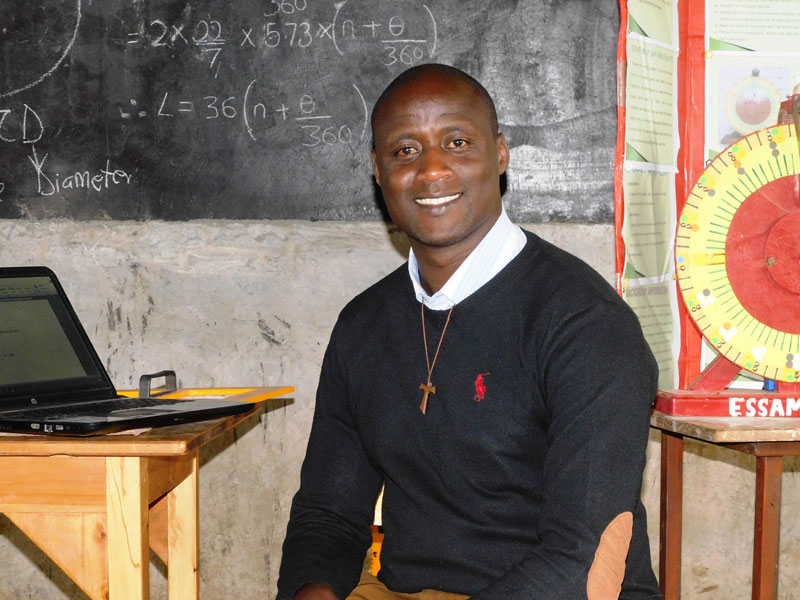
[{"x": 438, "y": 162}]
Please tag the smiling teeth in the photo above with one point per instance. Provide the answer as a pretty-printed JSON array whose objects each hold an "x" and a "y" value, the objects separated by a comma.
[{"x": 436, "y": 201}]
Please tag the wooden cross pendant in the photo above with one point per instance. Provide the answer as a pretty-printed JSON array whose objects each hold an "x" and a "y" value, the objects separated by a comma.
[{"x": 428, "y": 389}]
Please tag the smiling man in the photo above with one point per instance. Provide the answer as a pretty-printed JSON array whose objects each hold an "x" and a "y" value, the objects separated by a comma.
[{"x": 496, "y": 385}]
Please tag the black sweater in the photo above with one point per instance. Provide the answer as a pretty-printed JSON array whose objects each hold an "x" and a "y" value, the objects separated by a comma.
[{"x": 501, "y": 492}]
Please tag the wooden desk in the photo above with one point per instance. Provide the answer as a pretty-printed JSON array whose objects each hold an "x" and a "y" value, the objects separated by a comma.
[
  {"x": 769, "y": 440},
  {"x": 97, "y": 505}
]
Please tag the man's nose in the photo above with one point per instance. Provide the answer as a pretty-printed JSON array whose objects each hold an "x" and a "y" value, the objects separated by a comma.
[{"x": 433, "y": 164}]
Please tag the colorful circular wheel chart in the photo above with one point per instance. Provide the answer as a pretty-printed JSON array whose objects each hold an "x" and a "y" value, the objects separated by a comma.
[{"x": 737, "y": 253}]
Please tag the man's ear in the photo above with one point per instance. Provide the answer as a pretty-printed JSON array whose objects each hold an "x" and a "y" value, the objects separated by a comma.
[
  {"x": 502, "y": 153},
  {"x": 375, "y": 168}
]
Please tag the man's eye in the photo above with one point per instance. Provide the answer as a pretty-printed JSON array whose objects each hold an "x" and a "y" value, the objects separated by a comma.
[
  {"x": 406, "y": 151},
  {"x": 458, "y": 143}
]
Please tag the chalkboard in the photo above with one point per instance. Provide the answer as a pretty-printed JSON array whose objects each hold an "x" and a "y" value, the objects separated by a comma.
[{"x": 258, "y": 109}]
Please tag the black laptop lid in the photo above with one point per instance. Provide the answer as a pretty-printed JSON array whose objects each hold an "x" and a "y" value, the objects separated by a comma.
[{"x": 45, "y": 354}]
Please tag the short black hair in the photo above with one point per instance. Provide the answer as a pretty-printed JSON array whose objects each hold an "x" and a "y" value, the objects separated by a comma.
[{"x": 444, "y": 72}]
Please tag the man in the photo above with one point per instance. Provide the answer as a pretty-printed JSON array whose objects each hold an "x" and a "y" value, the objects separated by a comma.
[{"x": 496, "y": 385}]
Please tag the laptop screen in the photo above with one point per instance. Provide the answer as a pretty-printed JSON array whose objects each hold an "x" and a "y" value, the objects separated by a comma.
[{"x": 42, "y": 349}]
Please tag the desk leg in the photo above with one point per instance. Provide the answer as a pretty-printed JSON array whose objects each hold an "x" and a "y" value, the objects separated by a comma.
[
  {"x": 127, "y": 514},
  {"x": 669, "y": 567},
  {"x": 182, "y": 511},
  {"x": 767, "y": 527}
]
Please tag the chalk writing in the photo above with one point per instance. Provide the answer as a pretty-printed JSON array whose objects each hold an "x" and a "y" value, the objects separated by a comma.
[
  {"x": 54, "y": 183},
  {"x": 28, "y": 129},
  {"x": 304, "y": 112},
  {"x": 25, "y": 126},
  {"x": 401, "y": 40},
  {"x": 398, "y": 43},
  {"x": 348, "y": 29},
  {"x": 286, "y": 7}
]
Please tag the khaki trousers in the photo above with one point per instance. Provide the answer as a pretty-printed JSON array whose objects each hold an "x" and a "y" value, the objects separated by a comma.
[{"x": 369, "y": 588}]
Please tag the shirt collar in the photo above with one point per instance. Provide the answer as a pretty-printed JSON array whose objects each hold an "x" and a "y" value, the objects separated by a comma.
[{"x": 497, "y": 248}]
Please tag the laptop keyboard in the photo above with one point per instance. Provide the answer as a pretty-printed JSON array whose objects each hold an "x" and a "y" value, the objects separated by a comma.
[{"x": 98, "y": 408}]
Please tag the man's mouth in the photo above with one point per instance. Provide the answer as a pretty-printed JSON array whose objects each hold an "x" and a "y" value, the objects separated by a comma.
[{"x": 436, "y": 201}]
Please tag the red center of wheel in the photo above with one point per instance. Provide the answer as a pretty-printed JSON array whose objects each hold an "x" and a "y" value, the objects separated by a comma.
[
  {"x": 782, "y": 253},
  {"x": 762, "y": 254}
]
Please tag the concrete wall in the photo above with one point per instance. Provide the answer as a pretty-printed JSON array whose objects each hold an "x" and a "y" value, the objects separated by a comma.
[{"x": 252, "y": 303}]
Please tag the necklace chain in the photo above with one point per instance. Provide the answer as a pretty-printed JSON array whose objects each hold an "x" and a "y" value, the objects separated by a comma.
[{"x": 429, "y": 388}]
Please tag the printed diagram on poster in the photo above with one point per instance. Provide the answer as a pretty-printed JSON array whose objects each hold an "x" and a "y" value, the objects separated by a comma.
[{"x": 745, "y": 95}]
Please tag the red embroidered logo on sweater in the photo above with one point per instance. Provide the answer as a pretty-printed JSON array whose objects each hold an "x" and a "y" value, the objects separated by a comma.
[{"x": 480, "y": 387}]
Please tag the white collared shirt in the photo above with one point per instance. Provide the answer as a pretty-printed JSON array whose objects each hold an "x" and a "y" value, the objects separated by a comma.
[{"x": 498, "y": 248}]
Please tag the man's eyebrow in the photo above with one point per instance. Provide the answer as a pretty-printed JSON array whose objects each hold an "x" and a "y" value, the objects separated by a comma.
[
  {"x": 462, "y": 124},
  {"x": 394, "y": 138}
]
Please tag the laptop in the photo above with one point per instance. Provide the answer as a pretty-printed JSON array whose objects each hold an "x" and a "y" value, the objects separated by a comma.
[{"x": 52, "y": 380}]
